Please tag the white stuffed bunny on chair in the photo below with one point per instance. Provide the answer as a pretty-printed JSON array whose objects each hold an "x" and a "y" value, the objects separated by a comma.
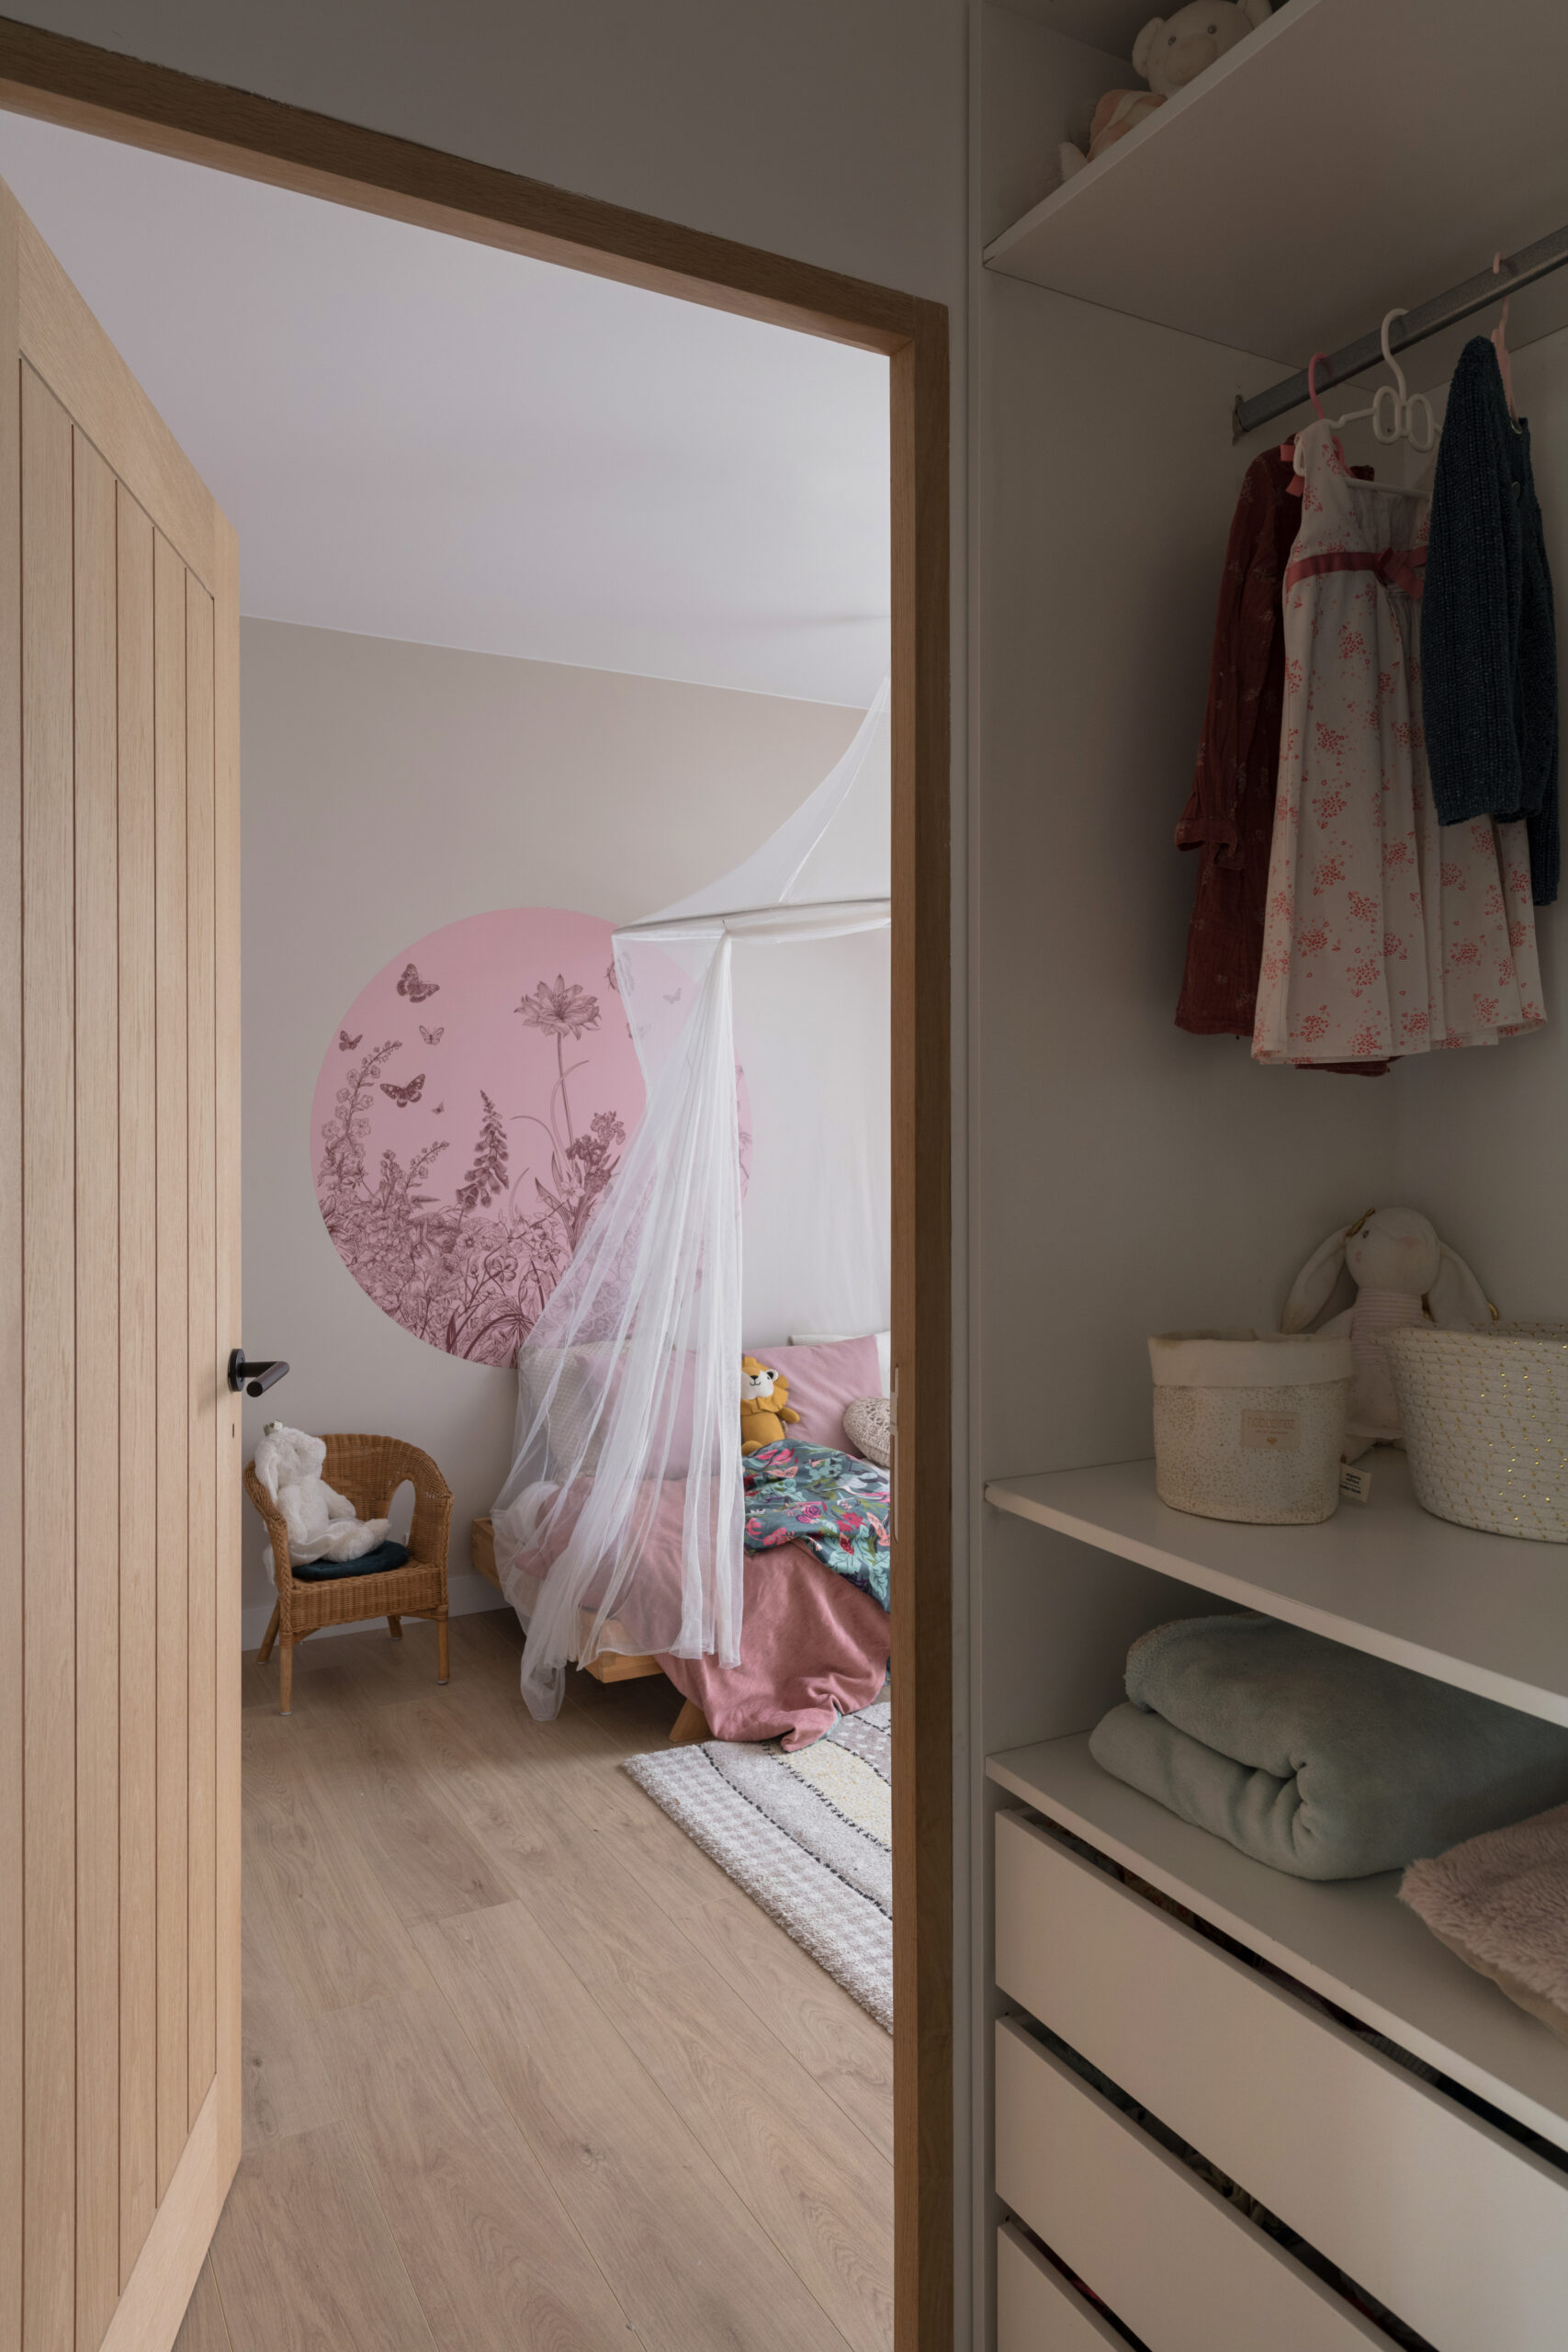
[
  {"x": 1403, "y": 1274},
  {"x": 321, "y": 1522}
]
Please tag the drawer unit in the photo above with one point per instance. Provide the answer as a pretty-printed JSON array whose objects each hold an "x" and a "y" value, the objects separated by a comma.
[
  {"x": 1037, "y": 2311},
  {"x": 1175, "y": 2263},
  {"x": 1446, "y": 2219}
]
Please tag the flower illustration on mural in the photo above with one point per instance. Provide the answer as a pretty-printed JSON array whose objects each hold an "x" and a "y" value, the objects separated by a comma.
[
  {"x": 561, "y": 1010},
  {"x": 471, "y": 1282},
  {"x": 581, "y": 1166},
  {"x": 462, "y": 1247},
  {"x": 486, "y": 1179}
]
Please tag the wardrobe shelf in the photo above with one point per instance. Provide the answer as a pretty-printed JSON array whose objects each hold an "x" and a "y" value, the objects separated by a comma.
[
  {"x": 1348, "y": 155},
  {"x": 1350, "y": 1941},
  {"x": 1488, "y": 1612}
]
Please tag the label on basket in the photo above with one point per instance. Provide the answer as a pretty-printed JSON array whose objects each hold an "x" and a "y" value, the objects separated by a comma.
[
  {"x": 1355, "y": 1485},
  {"x": 1271, "y": 1433}
]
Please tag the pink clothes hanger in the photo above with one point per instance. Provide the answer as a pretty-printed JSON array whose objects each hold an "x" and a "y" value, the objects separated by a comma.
[
  {"x": 1292, "y": 449},
  {"x": 1311, "y": 382},
  {"x": 1500, "y": 345}
]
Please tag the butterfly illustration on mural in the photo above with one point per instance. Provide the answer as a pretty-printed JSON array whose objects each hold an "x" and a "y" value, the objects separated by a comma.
[
  {"x": 345, "y": 1044},
  {"x": 674, "y": 997},
  {"x": 413, "y": 988},
  {"x": 439, "y": 1108},
  {"x": 403, "y": 1095},
  {"x": 430, "y": 1036}
]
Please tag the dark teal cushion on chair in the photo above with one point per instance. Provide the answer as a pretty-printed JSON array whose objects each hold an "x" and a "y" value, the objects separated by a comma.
[{"x": 370, "y": 1563}]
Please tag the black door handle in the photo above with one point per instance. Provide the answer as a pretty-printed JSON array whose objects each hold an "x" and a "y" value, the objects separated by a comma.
[{"x": 253, "y": 1377}]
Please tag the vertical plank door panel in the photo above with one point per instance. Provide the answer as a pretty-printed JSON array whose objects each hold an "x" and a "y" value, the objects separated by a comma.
[
  {"x": 173, "y": 1354},
  {"x": 138, "y": 1395},
  {"x": 49, "y": 1643},
  {"x": 11, "y": 1398},
  {"x": 136, "y": 1392},
  {"x": 228, "y": 1323},
  {"x": 120, "y": 1469},
  {"x": 97, "y": 1400},
  {"x": 203, "y": 1378}
]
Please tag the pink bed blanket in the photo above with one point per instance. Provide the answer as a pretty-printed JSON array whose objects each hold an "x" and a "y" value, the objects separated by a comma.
[{"x": 813, "y": 1646}]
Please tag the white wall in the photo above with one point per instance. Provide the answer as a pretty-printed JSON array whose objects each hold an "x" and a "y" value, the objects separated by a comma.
[{"x": 390, "y": 788}]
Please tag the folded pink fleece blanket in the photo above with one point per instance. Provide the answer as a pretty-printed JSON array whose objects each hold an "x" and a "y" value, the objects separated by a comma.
[{"x": 1500, "y": 1901}]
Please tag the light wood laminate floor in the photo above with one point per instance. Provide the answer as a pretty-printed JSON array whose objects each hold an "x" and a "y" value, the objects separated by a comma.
[{"x": 522, "y": 2066}]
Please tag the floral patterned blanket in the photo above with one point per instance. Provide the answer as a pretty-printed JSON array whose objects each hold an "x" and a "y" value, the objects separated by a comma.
[{"x": 833, "y": 1502}]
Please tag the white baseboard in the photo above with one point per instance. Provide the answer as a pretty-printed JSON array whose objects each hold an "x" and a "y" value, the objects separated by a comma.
[{"x": 466, "y": 1596}]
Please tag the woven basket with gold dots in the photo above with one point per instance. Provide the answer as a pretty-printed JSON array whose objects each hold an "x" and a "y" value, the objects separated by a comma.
[{"x": 1485, "y": 1418}]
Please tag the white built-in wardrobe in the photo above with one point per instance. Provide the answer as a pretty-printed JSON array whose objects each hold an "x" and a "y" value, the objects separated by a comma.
[{"x": 1145, "y": 2091}]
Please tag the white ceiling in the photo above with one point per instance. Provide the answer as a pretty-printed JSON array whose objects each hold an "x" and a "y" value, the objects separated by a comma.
[{"x": 417, "y": 437}]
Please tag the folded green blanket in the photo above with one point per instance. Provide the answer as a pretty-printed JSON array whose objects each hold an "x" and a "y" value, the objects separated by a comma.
[{"x": 1317, "y": 1760}]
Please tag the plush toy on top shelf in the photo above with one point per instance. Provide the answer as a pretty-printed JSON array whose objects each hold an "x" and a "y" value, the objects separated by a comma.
[
  {"x": 1170, "y": 52},
  {"x": 1403, "y": 1274},
  {"x": 764, "y": 1404}
]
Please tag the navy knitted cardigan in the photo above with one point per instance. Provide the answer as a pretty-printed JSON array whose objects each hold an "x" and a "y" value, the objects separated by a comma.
[{"x": 1488, "y": 635}]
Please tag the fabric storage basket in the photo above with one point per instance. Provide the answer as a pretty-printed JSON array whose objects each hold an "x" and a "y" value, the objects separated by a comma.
[
  {"x": 1485, "y": 1417},
  {"x": 1250, "y": 1425}
]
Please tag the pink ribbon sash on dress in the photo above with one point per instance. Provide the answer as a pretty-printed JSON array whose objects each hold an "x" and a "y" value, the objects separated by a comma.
[{"x": 1395, "y": 567}]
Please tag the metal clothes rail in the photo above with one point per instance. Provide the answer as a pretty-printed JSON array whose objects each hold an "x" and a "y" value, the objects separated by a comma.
[{"x": 1428, "y": 319}]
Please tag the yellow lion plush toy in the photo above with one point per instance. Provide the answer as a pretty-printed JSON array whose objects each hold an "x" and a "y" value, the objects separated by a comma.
[{"x": 764, "y": 1404}]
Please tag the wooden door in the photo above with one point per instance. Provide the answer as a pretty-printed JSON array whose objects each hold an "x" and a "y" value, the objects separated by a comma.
[{"x": 120, "y": 1448}]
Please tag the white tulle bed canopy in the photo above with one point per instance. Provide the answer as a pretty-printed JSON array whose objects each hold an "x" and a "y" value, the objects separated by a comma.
[{"x": 629, "y": 1383}]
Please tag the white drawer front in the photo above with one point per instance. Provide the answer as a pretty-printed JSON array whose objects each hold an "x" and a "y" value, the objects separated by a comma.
[
  {"x": 1036, "y": 2309},
  {"x": 1451, "y": 2225},
  {"x": 1173, "y": 2261}
]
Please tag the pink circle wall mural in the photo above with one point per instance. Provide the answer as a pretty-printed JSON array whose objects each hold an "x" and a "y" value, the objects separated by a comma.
[{"x": 472, "y": 1108}]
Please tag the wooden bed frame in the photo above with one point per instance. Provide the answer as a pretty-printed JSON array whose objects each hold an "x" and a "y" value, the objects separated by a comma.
[{"x": 610, "y": 1665}]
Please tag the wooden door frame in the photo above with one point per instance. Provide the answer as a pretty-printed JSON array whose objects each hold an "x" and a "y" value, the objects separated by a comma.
[{"x": 89, "y": 88}]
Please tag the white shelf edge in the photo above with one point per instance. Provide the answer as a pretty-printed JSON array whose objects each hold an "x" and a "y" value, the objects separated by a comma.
[
  {"x": 1511, "y": 2099},
  {"x": 1275, "y": 28},
  {"x": 1398, "y": 1649}
]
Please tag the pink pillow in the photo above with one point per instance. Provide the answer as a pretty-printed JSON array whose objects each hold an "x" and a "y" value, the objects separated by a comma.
[{"x": 822, "y": 1381}]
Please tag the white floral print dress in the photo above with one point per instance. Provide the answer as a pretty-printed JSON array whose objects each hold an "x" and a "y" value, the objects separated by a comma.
[{"x": 1385, "y": 933}]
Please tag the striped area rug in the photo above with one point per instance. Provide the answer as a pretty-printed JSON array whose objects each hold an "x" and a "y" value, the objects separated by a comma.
[{"x": 809, "y": 1836}]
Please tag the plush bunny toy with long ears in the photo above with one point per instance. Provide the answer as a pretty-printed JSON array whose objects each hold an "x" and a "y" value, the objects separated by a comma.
[{"x": 1403, "y": 1274}]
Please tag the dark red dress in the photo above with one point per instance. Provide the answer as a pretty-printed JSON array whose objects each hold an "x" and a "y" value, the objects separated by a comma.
[
  {"x": 1229, "y": 815},
  {"x": 1229, "y": 818}
]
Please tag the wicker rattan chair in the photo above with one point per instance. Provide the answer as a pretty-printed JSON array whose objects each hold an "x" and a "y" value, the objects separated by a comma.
[{"x": 369, "y": 1470}]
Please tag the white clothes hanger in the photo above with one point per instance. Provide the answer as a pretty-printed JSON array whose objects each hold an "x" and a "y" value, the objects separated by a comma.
[{"x": 1396, "y": 414}]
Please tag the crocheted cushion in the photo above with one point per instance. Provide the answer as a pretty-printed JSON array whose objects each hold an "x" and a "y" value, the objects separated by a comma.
[{"x": 868, "y": 1425}]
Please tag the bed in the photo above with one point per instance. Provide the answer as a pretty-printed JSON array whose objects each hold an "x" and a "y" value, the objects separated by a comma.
[
  {"x": 610, "y": 1665},
  {"x": 814, "y": 1647}
]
